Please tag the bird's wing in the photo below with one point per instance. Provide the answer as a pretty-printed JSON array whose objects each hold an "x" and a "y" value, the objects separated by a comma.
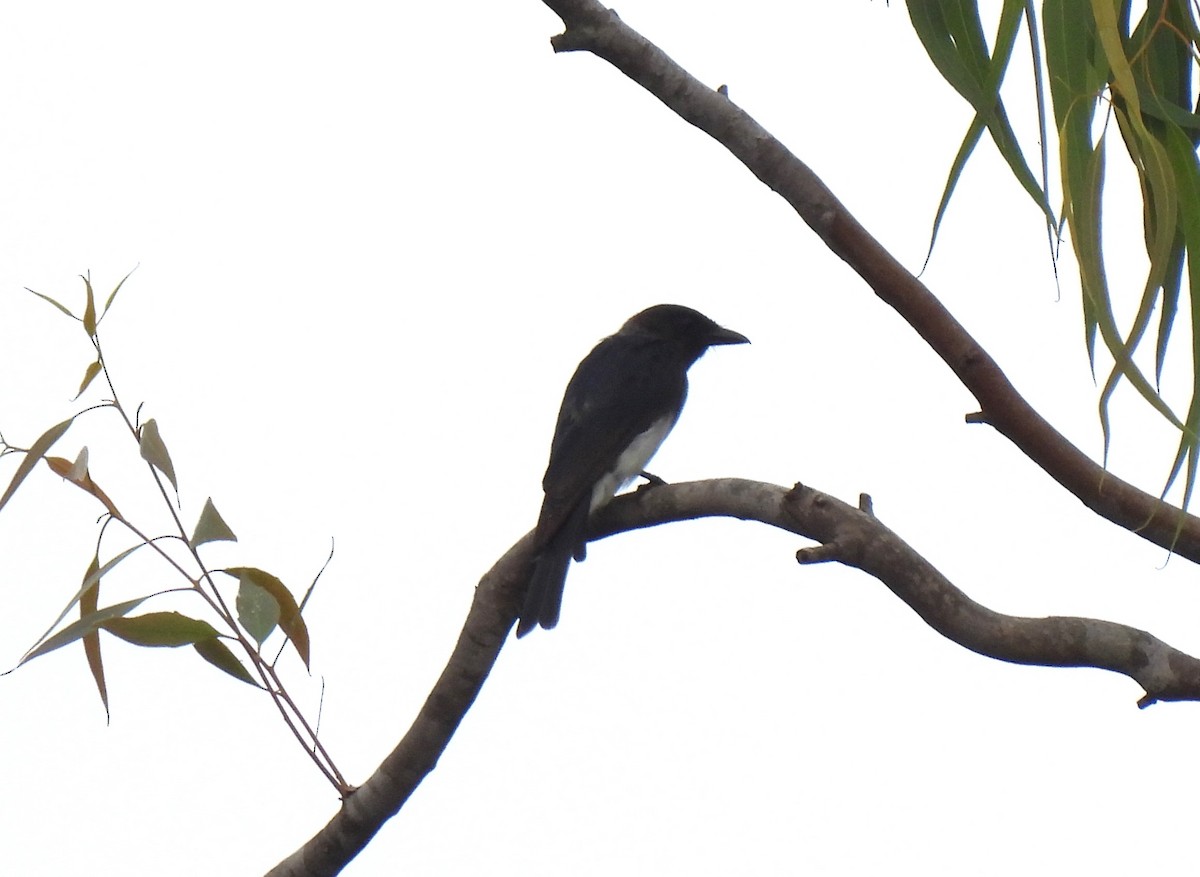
[{"x": 618, "y": 392}]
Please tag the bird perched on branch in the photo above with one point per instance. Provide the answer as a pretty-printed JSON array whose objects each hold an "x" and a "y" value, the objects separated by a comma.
[{"x": 622, "y": 401}]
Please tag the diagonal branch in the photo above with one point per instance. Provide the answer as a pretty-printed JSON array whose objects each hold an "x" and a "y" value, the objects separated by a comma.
[
  {"x": 593, "y": 28},
  {"x": 846, "y": 534}
]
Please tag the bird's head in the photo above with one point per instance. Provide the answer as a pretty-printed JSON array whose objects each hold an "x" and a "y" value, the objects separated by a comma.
[{"x": 686, "y": 327}]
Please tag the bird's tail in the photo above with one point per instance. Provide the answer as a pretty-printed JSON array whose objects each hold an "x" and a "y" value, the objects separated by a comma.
[{"x": 543, "y": 599}]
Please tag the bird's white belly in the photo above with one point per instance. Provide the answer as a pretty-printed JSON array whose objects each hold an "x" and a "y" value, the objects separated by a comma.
[{"x": 631, "y": 462}]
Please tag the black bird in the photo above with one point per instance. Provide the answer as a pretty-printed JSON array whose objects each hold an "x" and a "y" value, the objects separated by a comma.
[{"x": 619, "y": 406}]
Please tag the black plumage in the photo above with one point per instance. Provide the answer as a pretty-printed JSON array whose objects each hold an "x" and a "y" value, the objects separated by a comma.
[{"x": 622, "y": 401}]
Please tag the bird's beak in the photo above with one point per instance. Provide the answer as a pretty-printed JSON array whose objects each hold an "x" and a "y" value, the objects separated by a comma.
[{"x": 721, "y": 335}]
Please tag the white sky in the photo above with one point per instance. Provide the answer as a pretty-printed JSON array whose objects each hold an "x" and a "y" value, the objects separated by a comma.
[{"x": 373, "y": 244}]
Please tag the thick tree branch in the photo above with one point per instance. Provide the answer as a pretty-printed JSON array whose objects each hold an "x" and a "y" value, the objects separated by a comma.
[
  {"x": 593, "y": 28},
  {"x": 848, "y": 535}
]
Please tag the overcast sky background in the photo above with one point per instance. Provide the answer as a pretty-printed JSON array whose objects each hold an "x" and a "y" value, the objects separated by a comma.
[{"x": 372, "y": 244}]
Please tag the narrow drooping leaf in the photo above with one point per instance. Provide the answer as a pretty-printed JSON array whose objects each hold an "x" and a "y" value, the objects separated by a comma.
[
  {"x": 36, "y": 451},
  {"x": 970, "y": 141},
  {"x": 88, "y": 603},
  {"x": 1186, "y": 170},
  {"x": 952, "y": 34},
  {"x": 211, "y": 527},
  {"x": 1170, "y": 307},
  {"x": 1053, "y": 234},
  {"x": 160, "y": 629},
  {"x": 290, "y": 620},
  {"x": 999, "y": 126},
  {"x": 89, "y": 375},
  {"x": 1162, "y": 65},
  {"x": 1160, "y": 213},
  {"x": 218, "y": 654},
  {"x": 1076, "y": 82},
  {"x": 960, "y": 63},
  {"x": 154, "y": 451}
]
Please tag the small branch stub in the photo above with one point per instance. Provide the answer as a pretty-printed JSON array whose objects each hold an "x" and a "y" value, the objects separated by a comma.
[{"x": 826, "y": 553}]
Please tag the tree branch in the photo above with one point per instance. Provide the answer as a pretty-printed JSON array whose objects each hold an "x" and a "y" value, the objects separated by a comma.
[
  {"x": 852, "y": 536},
  {"x": 593, "y": 28}
]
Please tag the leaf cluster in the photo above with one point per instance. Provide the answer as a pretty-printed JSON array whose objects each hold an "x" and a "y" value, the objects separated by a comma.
[
  {"x": 233, "y": 640},
  {"x": 1100, "y": 65}
]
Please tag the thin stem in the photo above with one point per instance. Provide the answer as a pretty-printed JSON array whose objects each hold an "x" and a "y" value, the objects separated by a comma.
[{"x": 291, "y": 714}]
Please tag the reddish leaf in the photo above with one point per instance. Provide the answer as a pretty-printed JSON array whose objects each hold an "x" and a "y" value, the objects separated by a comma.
[{"x": 70, "y": 471}]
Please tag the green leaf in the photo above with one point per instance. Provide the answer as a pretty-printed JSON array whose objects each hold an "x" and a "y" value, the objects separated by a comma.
[
  {"x": 290, "y": 620},
  {"x": 954, "y": 46},
  {"x": 1170, "y": 305},
  {"x": 1186, "y": 169},
  {"x": 88, "y": 377},
  {"x": 218, "y": 654},
  {"x": 1162, "y": 69},
  {"x": 77, "y": 630},
  {"x": 970, "y": 141},
  {"x": 1077, "y": 74},
  {"x": 1160, "y": 212},
  {"x": 1075, "y": 84},
  {"x": 211, "y": 527},
  {"x": 35, "y": 453},
  {"x": 154, "y": 451},
  {"x": 258, "y": 611},
  {"x": 89, "y": 311},
  {"x": 160, "y": 629}
]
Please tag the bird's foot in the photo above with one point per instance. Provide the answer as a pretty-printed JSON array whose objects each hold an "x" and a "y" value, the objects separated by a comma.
[{"x": 652, "y": 480}]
